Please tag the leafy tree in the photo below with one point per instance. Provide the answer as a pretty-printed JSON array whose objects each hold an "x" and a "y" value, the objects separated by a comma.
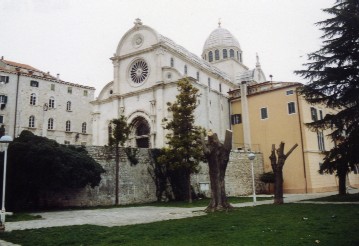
[
  {"x": 118, "y": 135},
  {"x": 38, "y": 165},
  {"x": 184, "y": 151},
  {"x": 333, "y": 75}
]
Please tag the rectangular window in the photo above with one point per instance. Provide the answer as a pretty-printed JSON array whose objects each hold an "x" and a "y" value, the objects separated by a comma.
[
  {"x": 220, "y": 87},
  {"x": 291, "y": 108},
  {"x": 209, "y": 83},
  {"x": 356, "y": 169},
  {"x": 85, "y": 93},
  {"x": 236, "y": 119},
  {"x": 290, "y": 92},
  {"x": 4, "y": 79},
  {"x": 314, "y": 114},
  {"x": 264, "y": 113},
  {"x": 197, "y": 76},
  {"x": 1, "y": 119},
  {"x": 69, "y": 90},
  {"x": 320, "y": 137},
  {"x": 66, "y": 142},
  {"x": 34, "y": 83},
  {"x": 52, "y": 87},
  {"x": 3, "y": 99},
  {"x": 320, "y": 114}
]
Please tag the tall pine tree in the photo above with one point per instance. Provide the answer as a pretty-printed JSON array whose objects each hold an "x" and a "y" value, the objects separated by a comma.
[
  {"x": 333, "y": 74},
  {"x": 184, "y": 151}
]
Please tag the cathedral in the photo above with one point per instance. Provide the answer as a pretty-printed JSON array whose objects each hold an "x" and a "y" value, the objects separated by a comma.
[{"x": 147, "y": 66}]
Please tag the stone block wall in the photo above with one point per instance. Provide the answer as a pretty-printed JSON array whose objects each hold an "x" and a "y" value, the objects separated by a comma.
[
  {"x": 238, "y": 178},
  {"x": 137, "y": 185}
]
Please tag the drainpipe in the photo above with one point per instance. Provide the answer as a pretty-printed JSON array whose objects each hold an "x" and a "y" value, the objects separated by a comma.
[
  {"x": 16, "y": 101},
  {"x": 302, "y": 142}
]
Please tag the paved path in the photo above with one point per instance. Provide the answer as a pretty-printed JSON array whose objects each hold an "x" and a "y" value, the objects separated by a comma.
[{"x": 133, "y": 215}]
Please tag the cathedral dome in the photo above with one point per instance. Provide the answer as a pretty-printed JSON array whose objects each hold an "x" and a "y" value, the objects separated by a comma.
[{"x": 220, "y": 37}]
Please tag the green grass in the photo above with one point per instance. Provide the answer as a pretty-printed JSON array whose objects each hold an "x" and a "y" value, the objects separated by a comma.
[
  {"x": 288, "y": 224},
  {"x": 22, "y": 217},
  {"x": 339, "y": 198}
]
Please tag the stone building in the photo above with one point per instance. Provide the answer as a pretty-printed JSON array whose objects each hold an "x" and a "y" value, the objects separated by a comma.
[
  {"x": 47, "y": 106},
  {"x": 147, "y": 66}
]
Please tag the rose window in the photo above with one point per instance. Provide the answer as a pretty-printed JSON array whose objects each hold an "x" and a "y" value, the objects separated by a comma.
[{"x": 139, "y": 71}]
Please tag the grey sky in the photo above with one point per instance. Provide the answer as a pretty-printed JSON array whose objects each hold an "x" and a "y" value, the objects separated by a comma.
[{"x": 76, "y": 38}]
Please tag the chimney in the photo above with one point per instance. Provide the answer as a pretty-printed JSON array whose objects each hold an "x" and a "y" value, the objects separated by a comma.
[
  {"x": 2, "y": 57},
  {"x": 58, "y": 77}
]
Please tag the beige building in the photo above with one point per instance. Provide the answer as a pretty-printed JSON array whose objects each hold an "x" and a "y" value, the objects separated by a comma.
[
  {"x": 47, "y": 106},
  {"x": 272, "y": 112}
]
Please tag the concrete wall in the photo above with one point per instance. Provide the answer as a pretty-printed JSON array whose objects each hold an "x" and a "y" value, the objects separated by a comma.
[{"x": 137, "y": 186}]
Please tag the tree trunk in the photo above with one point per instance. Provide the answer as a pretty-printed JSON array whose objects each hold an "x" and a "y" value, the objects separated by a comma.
[
  {"x": 342, "y": 183},
  {"x": 117, "y": 174},
  {"x": 217, "y": 155},
  {"x": 189, "y": 190},
  {"x": 277, "y": 164}
]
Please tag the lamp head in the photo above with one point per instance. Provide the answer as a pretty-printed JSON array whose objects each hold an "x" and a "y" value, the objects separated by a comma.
[
  {"x": 251, "y": 156},
  {"x": 6, "y": 139}
]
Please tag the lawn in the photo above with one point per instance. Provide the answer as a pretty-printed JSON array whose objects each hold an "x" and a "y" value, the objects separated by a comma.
[{"x": 288, "y": 224}]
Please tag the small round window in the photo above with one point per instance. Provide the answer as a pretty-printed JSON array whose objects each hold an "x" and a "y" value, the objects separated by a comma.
[{"x": 139, "y": 71}]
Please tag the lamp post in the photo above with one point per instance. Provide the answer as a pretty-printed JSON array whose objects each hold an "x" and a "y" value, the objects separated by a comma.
[
  {"x": 5, "y": 140},
  {"x": 251, "y": 157}
]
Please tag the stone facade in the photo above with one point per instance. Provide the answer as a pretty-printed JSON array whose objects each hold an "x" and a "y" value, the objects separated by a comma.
[
  {"x": 43, "y": 104},
  {"x": 137, "y": 185}
]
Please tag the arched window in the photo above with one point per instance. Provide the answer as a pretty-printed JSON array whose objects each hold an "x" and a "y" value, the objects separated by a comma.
[
  {"x": 52, "y": 102},
  {"x": 238, "y": 55},
  {"x": 50, "y": 124},
  {"x": 225, "y": 54},
  {"x": 185, "y": 69},
  {"x": 216, "y": 54},
  {"x": 172, "y": 62},
  {"x": 68, "y": 126},
  {"x": 33, "y": 99},
  {"x": 84, "y": 125},
  {"x": 210, "y": 56},
  {"x": 68, "y": 106},
  {"x": 32, "y": 121},
  {"x": 231, "y": 53}
]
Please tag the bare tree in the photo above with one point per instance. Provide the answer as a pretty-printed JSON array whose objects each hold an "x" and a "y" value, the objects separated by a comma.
[
  {"x": 217, "y": 155},
  {"x": 277, "y": 166}
]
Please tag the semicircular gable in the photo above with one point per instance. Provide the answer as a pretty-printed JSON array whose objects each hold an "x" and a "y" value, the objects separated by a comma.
[
  {"x": 137, "y": 38},
  {"x": 106, "y": 91}
]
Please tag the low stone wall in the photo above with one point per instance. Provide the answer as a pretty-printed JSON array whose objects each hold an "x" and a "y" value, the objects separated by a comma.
[{"x": 137, "y": 185}]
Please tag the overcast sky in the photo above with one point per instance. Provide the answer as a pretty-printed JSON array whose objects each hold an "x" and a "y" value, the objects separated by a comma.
[{"x": 76, "y": 38}]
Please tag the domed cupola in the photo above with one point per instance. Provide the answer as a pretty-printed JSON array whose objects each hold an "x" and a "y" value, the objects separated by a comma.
[{"x": 221, "y": 45}]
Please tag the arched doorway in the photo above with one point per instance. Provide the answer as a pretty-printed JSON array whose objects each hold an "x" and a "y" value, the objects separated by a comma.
[{"x": 140, "y": 131}]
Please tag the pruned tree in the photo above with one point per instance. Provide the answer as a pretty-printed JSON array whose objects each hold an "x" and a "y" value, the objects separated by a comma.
[
  {"x": 277, "y": 163},
  {"x": 217, "y": 155},
  {"x": 333, "y": 75},
  {"x": 118, "y": 135},
  {"x": 184, "y": 151},
  {"x": 38, "y": 166}
]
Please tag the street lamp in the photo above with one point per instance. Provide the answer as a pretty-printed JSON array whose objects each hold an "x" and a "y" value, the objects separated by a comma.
[
  {"x": 251, "y": 157},
  {"x": 4, "y": 140}
]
